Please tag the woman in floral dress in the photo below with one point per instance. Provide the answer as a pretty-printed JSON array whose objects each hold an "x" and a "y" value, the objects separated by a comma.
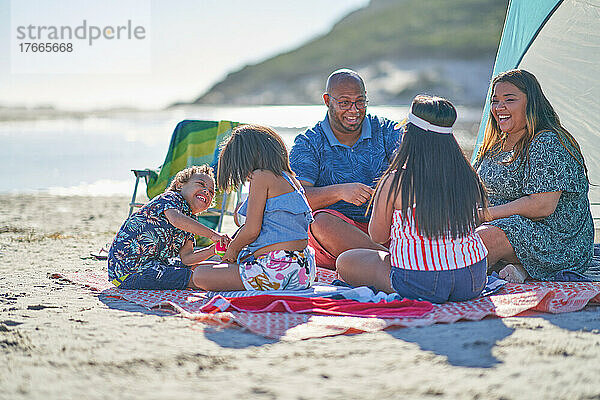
[{"x": 539, "y": 219}]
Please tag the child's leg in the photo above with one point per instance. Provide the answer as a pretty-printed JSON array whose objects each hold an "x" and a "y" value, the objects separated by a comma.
[
  {"x": 366, "y": 267},
  {"x": 216, "y": 277},
  {"x": 205, "y": 263},
  {"x": 157, "y": 276}
]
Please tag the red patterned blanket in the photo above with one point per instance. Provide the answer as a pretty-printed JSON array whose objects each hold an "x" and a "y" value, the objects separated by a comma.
[{"x": 513, "y": 299}]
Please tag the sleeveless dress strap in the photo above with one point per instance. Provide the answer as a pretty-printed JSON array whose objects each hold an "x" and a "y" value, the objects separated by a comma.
[{"x": 291, "y": 182}]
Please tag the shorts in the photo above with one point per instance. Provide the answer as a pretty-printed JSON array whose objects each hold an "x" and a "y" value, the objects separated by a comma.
[
  {"x": 440, "y": 286},
  {"x": 280, "y": 270},
  {"x": 157, "y": 276},
  {"x": 323, "y": 258}
]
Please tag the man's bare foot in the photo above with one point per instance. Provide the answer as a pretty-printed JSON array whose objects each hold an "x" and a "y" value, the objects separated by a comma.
[{"x": 513, "y": 273}]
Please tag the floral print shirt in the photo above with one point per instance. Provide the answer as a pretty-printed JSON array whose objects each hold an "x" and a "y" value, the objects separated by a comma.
[{"x": 147, "y": 235}]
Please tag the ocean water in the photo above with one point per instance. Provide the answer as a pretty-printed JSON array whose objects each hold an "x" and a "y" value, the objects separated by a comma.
[{"x": 94, "y": 155}]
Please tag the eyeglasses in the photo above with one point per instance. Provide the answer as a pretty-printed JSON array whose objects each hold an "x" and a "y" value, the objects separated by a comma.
[{"x": 360, "y": 104}]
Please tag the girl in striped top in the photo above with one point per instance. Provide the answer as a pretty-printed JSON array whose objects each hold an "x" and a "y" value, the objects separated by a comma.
[{"x": 427, "y": 204}]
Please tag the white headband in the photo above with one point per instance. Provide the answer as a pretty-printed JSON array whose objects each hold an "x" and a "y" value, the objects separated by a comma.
[{"x": 427, "y": 126}]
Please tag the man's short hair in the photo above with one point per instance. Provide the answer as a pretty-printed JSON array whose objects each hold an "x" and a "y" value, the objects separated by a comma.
[{"x": 342, "y": 75}]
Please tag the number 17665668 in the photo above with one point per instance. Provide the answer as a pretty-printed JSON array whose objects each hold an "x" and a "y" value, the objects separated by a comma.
[{"x": 46, "y": 47}]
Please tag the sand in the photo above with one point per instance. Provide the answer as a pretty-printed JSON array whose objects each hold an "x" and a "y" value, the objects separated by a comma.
[{"x": 60, "y": 341}]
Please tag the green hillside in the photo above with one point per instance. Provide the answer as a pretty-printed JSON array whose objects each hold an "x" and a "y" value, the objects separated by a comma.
[{"x": 385, "y": 29}]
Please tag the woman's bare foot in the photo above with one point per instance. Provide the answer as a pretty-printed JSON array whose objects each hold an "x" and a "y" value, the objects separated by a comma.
[{"x": 513, "y": 273}]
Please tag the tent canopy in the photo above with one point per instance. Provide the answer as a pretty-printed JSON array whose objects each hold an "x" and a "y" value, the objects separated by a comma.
[{"x": 559, "y": 42}]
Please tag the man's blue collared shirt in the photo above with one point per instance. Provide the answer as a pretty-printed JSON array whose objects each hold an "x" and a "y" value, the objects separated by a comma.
[{"x": 318, "y": 157}]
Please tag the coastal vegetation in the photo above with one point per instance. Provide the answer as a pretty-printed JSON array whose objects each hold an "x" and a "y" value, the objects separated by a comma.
[{"x": 413, "y": 43}]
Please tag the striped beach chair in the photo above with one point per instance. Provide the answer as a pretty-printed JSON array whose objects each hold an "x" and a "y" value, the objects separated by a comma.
[{"x": 193, "y": 143}]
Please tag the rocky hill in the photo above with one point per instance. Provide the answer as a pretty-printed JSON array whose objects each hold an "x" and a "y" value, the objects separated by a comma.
[{"x": 401, "y": 47}]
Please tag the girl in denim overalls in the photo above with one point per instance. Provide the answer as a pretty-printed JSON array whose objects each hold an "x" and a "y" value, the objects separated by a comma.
[
  {"x": 427, "y": 204},
  {"x": 270, "y": 250}
]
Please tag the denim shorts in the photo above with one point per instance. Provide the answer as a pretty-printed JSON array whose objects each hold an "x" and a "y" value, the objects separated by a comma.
[
  {"x": 440, "y": 286},
  {"x": 158, "y": 276}
]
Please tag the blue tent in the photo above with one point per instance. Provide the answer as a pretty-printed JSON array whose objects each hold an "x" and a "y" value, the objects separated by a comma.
[{"x": 559, "y": 42}]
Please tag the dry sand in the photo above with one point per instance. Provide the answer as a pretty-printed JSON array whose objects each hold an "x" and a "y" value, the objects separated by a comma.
[{"x": 60, "y": 341}]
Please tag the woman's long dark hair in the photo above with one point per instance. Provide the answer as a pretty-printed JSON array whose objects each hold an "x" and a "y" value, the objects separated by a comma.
[{"x": 433, "y": 174}]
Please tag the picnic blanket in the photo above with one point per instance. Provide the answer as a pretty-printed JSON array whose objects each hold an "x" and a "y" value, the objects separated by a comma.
[
  {"x": 319, "y": 305},
  {"x": 511, "y": 300},
  {"x": 192, "y": 143}
]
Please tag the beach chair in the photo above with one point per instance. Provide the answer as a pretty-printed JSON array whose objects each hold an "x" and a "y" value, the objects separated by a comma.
[{"x": 193, "y": 143}]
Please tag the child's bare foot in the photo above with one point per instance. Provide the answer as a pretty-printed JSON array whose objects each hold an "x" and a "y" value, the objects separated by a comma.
[{"x": 513, "y": 273}]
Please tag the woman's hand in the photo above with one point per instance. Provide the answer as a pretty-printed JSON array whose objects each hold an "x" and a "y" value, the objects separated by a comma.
[
  {"x": 484, "y": 215},
  {"x": 536, "y": 207}
]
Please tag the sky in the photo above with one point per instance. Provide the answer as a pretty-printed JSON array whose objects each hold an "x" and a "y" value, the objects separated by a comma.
[{"x": 192, "y": 45}]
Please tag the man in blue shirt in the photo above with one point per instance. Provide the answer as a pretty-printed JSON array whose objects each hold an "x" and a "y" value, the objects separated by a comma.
[{"x": 338, "y": 162}]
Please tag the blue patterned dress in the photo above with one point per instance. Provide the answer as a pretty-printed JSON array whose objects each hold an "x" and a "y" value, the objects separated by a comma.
[
  {"x": 147, "y": 237},
  {"x": 562, "y": 241}
]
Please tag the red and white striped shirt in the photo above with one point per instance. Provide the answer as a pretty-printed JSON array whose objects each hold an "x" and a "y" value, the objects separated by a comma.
[{"x": 409, "y": 250}]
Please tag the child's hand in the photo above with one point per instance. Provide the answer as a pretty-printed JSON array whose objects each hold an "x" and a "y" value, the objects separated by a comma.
[
  {"x": 211, "y": 250},
  {"x": 230, "y": 256},
  {"x": 223, "y": 239},
  {"x": 192, "y": 258}
]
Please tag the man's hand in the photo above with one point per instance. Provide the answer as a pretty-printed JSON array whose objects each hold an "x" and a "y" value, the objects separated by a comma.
[
  {"x": 355, "y": 193},
  {"x": 323, "y": 196}
]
